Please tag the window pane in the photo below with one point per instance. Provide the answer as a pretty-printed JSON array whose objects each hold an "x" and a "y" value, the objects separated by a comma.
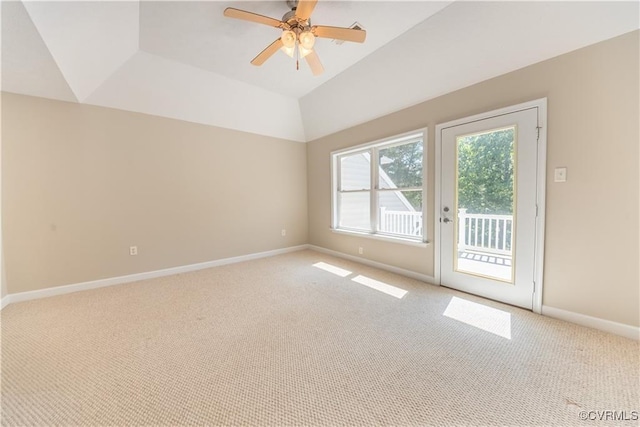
[
  {"x": 400, "y": 166},
  {"x": 355, "y": 211},
  {"x": 355, "y": 172},
  {"x": 400, "y": 212}
]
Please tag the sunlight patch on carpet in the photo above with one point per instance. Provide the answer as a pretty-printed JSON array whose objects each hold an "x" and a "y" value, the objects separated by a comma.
[
  {"x": 380, "y": 286},
  {"x": 332, "y": 269},
  {"x": 483, "y": 317}
]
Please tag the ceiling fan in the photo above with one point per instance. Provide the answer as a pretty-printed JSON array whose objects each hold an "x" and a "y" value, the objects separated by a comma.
[{"x": 298, "y": 35}]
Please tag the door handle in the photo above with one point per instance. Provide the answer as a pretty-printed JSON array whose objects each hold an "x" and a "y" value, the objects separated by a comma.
[{"x": 446, "y": 220}]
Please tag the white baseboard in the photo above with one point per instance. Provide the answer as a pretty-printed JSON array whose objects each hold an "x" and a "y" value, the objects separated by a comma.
[
  {"x": 627, "y": 331},
  {"x": 66, "y": 289},
  {"x": 418, "y": 276},
  {"x": 5, "y": 301}
]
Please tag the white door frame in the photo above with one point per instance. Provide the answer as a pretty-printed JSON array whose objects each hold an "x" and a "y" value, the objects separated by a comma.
[{"x": 541, "y": 182}]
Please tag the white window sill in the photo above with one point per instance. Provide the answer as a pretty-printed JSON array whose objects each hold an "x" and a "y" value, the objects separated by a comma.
[{"x": 391, "y": 239}]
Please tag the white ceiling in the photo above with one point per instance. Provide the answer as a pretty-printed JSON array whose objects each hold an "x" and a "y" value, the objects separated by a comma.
[
  {"x": 184, "y": 60},
  {"x": 197, "y": 33}
]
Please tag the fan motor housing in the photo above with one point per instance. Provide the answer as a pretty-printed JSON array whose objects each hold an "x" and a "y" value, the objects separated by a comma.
[{"x": 290, "y": 18}]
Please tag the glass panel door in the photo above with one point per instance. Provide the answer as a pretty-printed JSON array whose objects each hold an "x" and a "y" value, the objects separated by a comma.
[{"x": 488, "y": 197}]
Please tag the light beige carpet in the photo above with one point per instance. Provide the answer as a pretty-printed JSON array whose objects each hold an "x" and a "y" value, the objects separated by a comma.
[{"x": 278, "y": 341}]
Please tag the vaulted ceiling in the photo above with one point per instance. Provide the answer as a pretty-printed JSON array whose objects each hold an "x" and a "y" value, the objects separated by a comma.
[{"x": 184, "y": 60}]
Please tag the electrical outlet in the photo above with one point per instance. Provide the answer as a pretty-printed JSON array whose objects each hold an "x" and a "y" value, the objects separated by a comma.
[
  {"x": 283, "y": 232},
  {"x": 360, "y": 250},
  {"x": 133, "y": 250}
]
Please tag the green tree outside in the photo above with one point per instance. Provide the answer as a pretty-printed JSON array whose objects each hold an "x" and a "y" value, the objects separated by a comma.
[
  {"x": 403, "y": 164},
  {"x": 485, "y": 172}
]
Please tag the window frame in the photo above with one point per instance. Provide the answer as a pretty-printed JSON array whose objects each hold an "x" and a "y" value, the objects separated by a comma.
[{"x": 374, "y": 189}]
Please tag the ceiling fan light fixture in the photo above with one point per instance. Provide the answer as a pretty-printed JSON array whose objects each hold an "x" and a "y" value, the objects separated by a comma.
[
  {"x": 289, "y": 50},
  {"x": 307, "y": 39},
  {"x": 297, "y": 38},
  {"x": 288, "y": 38}
]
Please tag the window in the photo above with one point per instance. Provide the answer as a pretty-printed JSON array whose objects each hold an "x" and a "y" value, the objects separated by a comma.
[{"x": 378, "y": 188}]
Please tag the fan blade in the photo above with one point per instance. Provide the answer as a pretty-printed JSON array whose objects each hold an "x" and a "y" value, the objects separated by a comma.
[
  {"x": 340, "y": 33},
  {"x": 314, "y": 63},
  {"x": 304, "y": 9},
  {"x": 230, "y": 12},
  {"x": 267, "y": 52}
]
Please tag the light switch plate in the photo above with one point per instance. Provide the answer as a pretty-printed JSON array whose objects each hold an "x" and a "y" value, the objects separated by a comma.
[{"x": 560, "y": 175}]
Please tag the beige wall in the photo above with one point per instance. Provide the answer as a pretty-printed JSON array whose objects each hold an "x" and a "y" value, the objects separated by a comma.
[
  {"x": 591, "y": 250},
  {"x": 81, "y": 184}
]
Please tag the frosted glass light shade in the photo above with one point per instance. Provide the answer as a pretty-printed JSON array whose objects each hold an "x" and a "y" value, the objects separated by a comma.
[
  {"x": 289, "y": 50},
  {"x": 307, "y": 40},
  {"x": 288, "y": 38}
]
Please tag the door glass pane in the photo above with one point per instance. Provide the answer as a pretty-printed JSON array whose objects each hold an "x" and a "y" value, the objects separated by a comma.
[
  {"x": 355, "y": 210},
  {"x": 485, "y": 182},
  {"x": 400, "y": 212},
  {"x": 355, "y": 172}
]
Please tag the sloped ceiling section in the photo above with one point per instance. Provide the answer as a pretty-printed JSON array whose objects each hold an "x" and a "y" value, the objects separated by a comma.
[
  {"x": 184, "y": 60},
  {"x": 27, "y": 65},
  {"x": 89, "y": 52},
  {"x": 150, "y": 84},
  {"x": 88, "y": 40},
  {"x": 463, "y": 44}
]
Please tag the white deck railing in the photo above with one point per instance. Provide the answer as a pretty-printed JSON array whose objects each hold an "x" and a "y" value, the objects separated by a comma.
[
  {"x": 401, "y": 222},
  {"x": 477, "y": 232},
  {"x": 485, "y": 233}
]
